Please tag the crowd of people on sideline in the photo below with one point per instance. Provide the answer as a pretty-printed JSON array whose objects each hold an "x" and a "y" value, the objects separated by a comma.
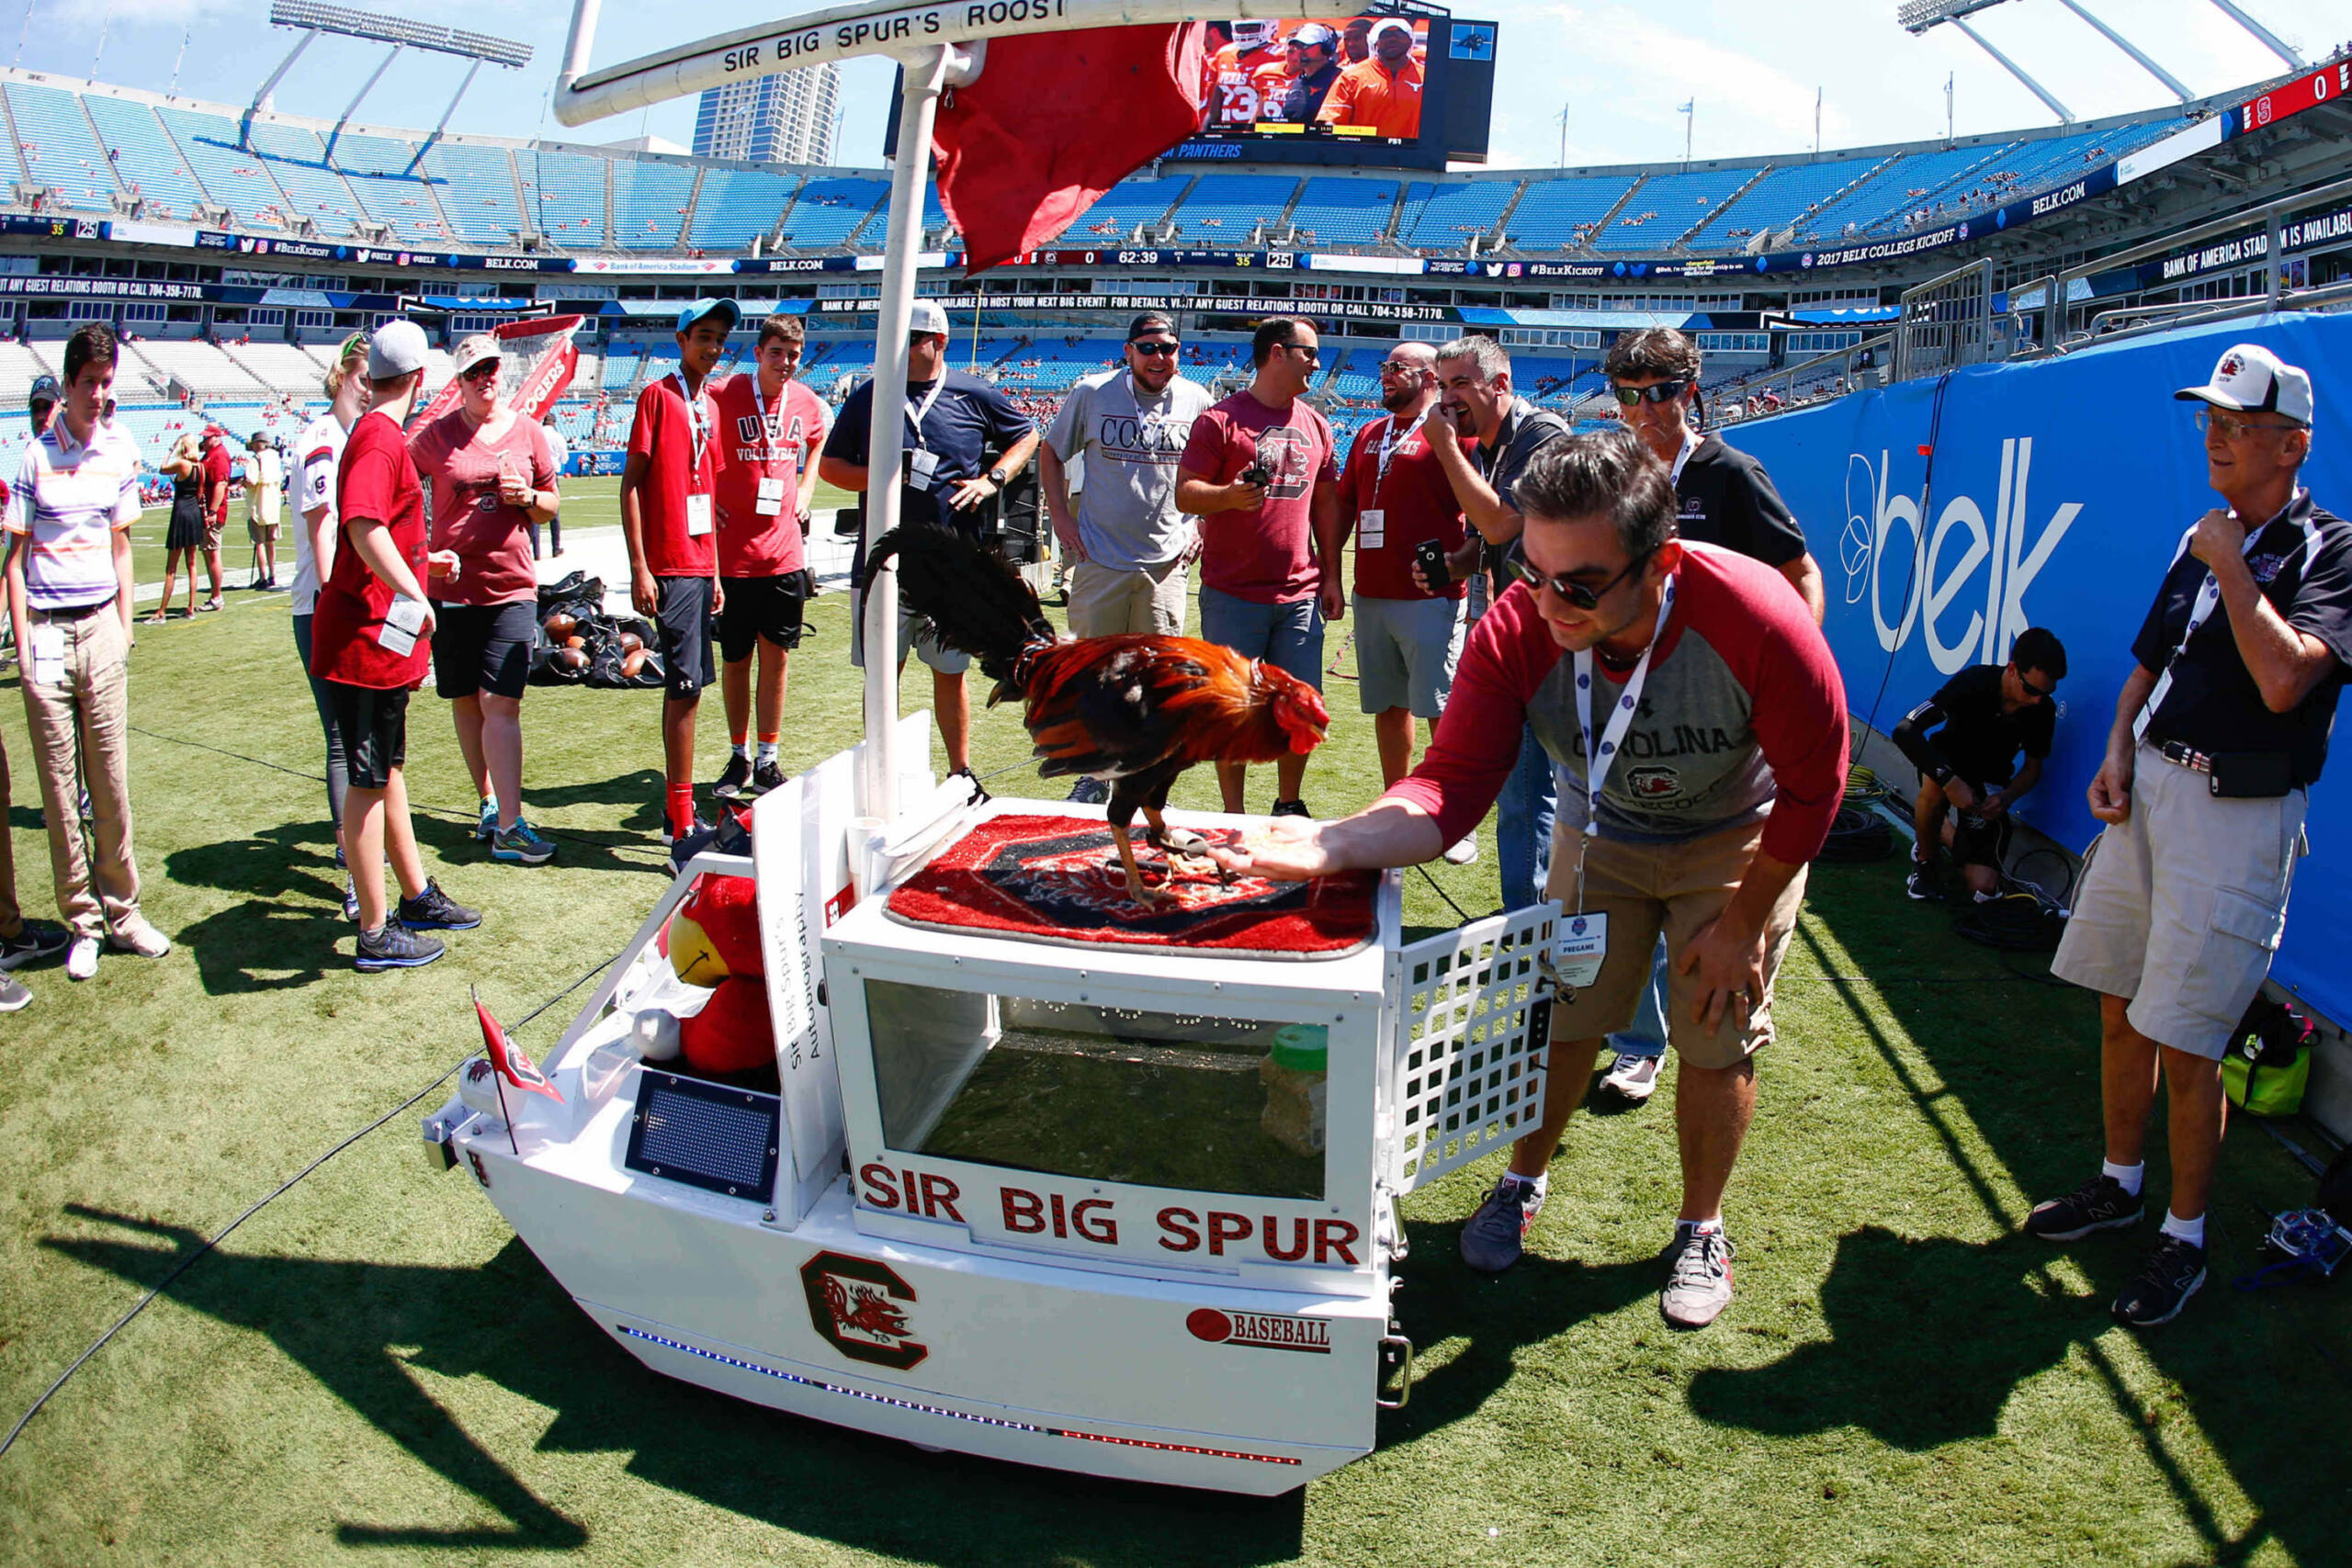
[{"x": 1555, "y": 607}]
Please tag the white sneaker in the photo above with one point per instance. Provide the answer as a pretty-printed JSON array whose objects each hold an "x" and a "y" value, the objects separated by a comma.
[
  {"x": 138, "y": 936},
  {"x": 1633, "y": 1079},
  {"x": 82, "y": 958},
  {"x": 1462, "y": 850}
]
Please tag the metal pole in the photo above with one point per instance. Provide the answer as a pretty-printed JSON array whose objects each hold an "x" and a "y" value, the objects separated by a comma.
[
  {"x": 2273, "y": 264},
  {"x": 2065, "y": 115},
  {"x": 2269, "y": 39},
  {"x": 2172, "y": 83},
  {"x": 262, "y": 100}
]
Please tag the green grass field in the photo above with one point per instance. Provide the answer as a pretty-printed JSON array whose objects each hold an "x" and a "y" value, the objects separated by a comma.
[{"x": 373, "y": 1369}]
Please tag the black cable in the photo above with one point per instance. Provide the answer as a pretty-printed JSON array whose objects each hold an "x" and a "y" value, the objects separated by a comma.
[
  {"x": 1444, "y": 893},
  {"x": 188, "y": 1262},
  {"x": 1919, "y": 546}
]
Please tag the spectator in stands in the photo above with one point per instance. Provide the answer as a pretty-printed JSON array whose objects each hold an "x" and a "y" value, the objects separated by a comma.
[
  {"x": 953, "y": 419},
  {"x": 184, "y": 537},
  {"x": 1384, "y": 92},
  {"x": 1260, "y": 469},
  {"x": 1128, "y": 541},
  {"x": 318, "y": 452},
  {"x": 1723, "y": 497},
  {"x": 1311, "y": 67},
  {"x": 1677, "y": 640},
  {"x": 668, "y": 515},
  {"x": 1986, "y": 715},
  {"x": 265, "y": 485},
  {"x": 493, "y": 481},
  {"x": 1476, "y": 401},
  {"x": 1393, "y": 498},
  {"x": 219, "y": 479},
  {"x": 70, "y": 512},
  {"x": 2220, "y": 732},
  {"x": 370, "y": 641},
  {"x": 771, "y": 429}
]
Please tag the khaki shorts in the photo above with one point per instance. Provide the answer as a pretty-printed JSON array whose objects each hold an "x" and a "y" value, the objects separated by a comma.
[
  {"x": 2182, "y": 905},
  {"x": 1103, "y": 602},
  {"x": 1644, "y": 888}
]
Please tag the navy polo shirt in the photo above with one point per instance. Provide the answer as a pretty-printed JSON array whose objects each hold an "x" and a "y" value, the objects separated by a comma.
[{"x": 969, "y": 417}]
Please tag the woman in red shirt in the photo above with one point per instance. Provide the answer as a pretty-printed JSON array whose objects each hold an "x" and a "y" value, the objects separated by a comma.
[{"x": 492, "y": 475}]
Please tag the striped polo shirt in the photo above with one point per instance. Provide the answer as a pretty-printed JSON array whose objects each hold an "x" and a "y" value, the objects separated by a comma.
[{"x": 66, "y": 504}]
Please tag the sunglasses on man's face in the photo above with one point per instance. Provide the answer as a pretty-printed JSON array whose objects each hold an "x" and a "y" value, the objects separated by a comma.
[
  {"x": 1578, "y": 595},
  {"x": 2038, "y": 693},
  {"x": 1156, "y": 349},
  {"x": 1659, "y": 392},
  {"x": 482, "y": 372},
  {"x": 1304, "y": 350}
]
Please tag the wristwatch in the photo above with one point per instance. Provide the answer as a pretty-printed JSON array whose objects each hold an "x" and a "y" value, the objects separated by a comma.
[{"x": 998, "y": 477}]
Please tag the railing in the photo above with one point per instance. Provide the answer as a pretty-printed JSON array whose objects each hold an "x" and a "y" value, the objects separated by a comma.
[
  {"x": 1728, "y": 404},
  {"x": 1947, "y": 323}
]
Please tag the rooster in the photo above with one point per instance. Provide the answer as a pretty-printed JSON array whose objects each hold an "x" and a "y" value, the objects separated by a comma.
[{"x": 1134, "y": 711}]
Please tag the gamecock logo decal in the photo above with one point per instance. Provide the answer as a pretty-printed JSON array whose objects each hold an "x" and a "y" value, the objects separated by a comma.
[{"x": 853, "y": 1303}]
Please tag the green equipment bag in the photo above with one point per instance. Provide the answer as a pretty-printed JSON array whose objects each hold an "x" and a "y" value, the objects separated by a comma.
[{"x": 2269, "y": 1063}]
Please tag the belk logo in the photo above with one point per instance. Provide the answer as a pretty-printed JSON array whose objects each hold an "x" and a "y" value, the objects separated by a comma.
[{"x": 854, "y": 1304}]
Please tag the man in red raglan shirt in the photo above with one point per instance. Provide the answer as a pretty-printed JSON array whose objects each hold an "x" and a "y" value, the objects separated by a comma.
[{"x": 1716, "y": 712}]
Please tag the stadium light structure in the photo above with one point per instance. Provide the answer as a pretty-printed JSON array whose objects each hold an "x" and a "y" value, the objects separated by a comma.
[
  {"x": 313, "y": 19},
  {"x": 1918, "y": 16}
]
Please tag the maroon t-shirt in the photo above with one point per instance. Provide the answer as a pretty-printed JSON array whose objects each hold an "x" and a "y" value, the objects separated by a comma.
[
  {"x": 1265, "y": 555},
  {"x": 752, "y": 543},
  {"x": 664, "y": 433},
  {"x": 219, "y": 467},
  {"x": 375, "y": 480},
  {"x": 492, "y": 538},
  {"x": 1415, "y": 503}
]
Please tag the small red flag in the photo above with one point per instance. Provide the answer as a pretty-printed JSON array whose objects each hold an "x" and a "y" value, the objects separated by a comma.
[
  {"x": 513, "y": 1064},
  {"x": 1055, "y": 120}
]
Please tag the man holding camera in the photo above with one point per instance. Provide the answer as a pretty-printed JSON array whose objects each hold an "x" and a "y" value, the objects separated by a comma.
[
  {"x": 1965, "y": 740},
  {"x": 2220, "y": 732}
]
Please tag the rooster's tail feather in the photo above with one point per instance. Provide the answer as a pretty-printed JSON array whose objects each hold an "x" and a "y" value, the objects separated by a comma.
[{"x": 975, "y": 600}]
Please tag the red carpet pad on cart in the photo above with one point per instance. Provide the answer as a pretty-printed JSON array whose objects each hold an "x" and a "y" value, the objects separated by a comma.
[{"x": 1057, "y": 879}]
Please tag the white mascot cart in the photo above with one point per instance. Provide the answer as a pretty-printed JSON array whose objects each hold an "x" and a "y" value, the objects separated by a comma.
[{"x": 1127, "y": 1211}]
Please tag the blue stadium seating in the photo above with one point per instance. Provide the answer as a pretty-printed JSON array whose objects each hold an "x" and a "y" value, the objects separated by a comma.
[
  {"x": 1357, "y": 375},
  {"x": 477, "y": 191},
  {"x": 1445, "y": 218},
  {"x": 1777, "y": 200},
  {"x": 830, "y": 210},
  {"x": 1668, "y": 207},
  {"x": 622, "y": 361},
  {"x": 60, "y": 148},
  {"x": 737, "y": 206},
  {"x": 298, "y": 159},
  {"x": 235, "y": 177},
  {"x": 1335, "y": 211},
  {"x": 379, "y": 172},
  {"x": 145, "y": 156},
  {"x": 1224, "y": 209},
  {"x": 566, "y": 191},
  {"x": 1110, "y": 221},
  {"x": 650, "y": 203},
  {"x": 1554, "y": 213},
  {"x": 1904, "y": 185}
]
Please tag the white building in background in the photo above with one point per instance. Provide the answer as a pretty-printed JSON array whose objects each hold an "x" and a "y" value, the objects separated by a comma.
[{"x": 784, "y": 119}]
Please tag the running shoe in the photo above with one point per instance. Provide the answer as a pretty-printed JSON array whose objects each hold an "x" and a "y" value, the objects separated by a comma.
[
  {"x": 734, "y": 777},
  {"x": 1921, "y": 884},
  {"x": 82, "y": 958},
  {"x": 1698, "y": 1283},
  {"x": 393, "y": 947},
  {"x": 350, "y": 899},
  {"x": 1088, "y": 791},
  {"x": 1291, "y": 808},
  {"x": 766, "y": 776},
  {"x": 1632, "y": 1078},
  {"x": 486, "y": 825},
  {"x": 32, "y": 945},
  {"x": 136, "y": 935},
  {"x": 1497, "y": 1233},
  {"x": 436, "y": 910},
  {"x": 1462, "y": 850},
  {"x": 14, "y": 997},
  {"x": 521, "y": 845},
  {"x": 670, "y": 839},
  {"x": 2172, "y": 1273},
  {"x": 2098, "y": 1204}
]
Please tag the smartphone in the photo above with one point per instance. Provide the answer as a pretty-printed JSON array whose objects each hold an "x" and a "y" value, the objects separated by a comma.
[{"x": 1431, "y": 553}]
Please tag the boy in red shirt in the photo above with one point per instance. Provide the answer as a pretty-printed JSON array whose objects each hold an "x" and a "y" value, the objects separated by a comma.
[
  {"x": 669, "y": 515},
  {"x": 371, "y": 642},
  {"x": 770, "y": 427}
]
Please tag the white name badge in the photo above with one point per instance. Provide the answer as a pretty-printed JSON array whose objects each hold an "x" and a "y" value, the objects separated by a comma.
[
  {"x": 403, "y": 625},
  {"x": 1372, "y": 529},
  {"x": 925, "y": 467},
  {"x": 49, "y": 654},
  {"x": 1583, "y": 945},
  {"x": 697, "y": 516},
  {"x": 771, "y": 497}
]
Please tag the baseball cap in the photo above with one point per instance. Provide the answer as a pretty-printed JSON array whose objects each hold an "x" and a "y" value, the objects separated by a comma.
[
  {"x": 1381, "y": 27},
  {"x": 472, "y": 351},
  {"x": 1314, "y": 33},
  {"x": 697, "y": 310},
  {"x": 2252, "y": 380},
  {"x": 929, "y": 316},
  {"x": 397, "y": 349},
  {"x": 1148, "y": 323},
  {"x": 44, "y": 390}
]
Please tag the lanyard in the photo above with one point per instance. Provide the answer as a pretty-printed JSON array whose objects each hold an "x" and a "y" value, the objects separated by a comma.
[
  {"x": 769, "y": 433},
  {"x": 1392, "y": 441},
  {"x": 2208, "y": 596},
  {"x": 693, "y": 422},
  {"x": 1597, "y": 759},
  {"x": 920, "y": 411},
  {"x": 1690, "y": 439}
]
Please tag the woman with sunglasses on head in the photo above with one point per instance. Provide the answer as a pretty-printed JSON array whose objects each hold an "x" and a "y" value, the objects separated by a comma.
[{"x": 492, "y": 477}]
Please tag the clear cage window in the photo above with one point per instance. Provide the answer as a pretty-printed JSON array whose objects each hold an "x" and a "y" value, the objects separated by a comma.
[{"x": 1101, "y": 1093}]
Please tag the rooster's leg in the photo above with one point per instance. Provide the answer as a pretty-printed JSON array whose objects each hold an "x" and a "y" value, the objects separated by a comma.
[
  {"x": 1175, "y": 842},
  {"x": 1135, "y": 890}
]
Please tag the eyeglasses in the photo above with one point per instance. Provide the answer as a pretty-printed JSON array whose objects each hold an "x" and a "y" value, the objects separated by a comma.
[
  {"x": 2040, "y": 694},
  {"x": 2231, "y": 425},
  {"x": 1156, "y": 349},
  {"x": 1659, "y": 392},
  {"x": 1304, "y": 350},
  {"x": 1577, "y": 593},
  {"x": 477, "y": 372},
  {"x": 1399, "y": 368}
]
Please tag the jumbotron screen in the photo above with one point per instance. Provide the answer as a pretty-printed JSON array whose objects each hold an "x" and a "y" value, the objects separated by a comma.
[{"x": 1373, "y": 89}]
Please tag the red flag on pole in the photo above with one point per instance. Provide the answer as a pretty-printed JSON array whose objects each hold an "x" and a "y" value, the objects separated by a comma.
[
  {"x": 1055, "y": 120},
  {"x": 513, "y": 1064}
]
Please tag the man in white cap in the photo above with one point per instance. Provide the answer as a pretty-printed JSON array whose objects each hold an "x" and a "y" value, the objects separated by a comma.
[
  {"x": 1383, "y": 95},
  {"x": 2220, "y": 732}
]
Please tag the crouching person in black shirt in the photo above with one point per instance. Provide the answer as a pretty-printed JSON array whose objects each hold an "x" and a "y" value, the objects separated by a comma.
[{"x": 1964, "y": 741}]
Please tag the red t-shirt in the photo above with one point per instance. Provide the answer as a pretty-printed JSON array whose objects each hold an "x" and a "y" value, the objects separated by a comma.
[
  {"x": 752, "y": 543},
  {"x": 492, "y": 538},
  {"x": 1414, "y": 501},
  {"x": 1267, "y": 555},
  {"x": 375, "y": 479},
  {"x": 219, "y": 466},
  {"x": 678, "y": 466}
]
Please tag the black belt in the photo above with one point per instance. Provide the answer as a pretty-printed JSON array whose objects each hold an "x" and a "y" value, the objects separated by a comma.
[{"x": 77, "y": 612}]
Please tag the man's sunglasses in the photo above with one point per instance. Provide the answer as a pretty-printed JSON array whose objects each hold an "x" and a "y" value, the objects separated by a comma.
[
  {"x": 1156, "y": 349},
  {"x": 1661, "y": 392},
  {"x": 1577, "y": 593},
  {"x": 1304, "y": 350},
  {"x": 486, "y": 368},
  {"x": 2040, "y": 694}
]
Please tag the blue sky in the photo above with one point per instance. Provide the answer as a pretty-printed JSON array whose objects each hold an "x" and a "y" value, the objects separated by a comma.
[{"x": 1619, "y": 67}]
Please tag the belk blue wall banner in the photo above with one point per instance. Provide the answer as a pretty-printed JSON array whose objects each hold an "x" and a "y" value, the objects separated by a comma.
[{"x": 1950, "y": 514}]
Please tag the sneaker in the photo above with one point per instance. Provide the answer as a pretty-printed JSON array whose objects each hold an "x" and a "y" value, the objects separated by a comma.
[
  {"x": 137, "y": 936},
  {"x": 1497, "y": 1233},
  {"x": 734, "y": 777},
  {"x": 1088, "y": 791},
  {"x": 436, "y": 910},
  {"x": 350, "y": 901},
  {"x": 766, "y": 776},
  {"x": 1462, "y": 850},
  {"x": 486, "y": 825},
  {"x": 14, "y": 997},
  {"x": 2171, "y": 1274},
  {"x": 1921, "y": 884},
  {"x": 522, "y": 845},
  {"x": 668, "y": 839},
  {"x": 1632, "y": 1078},
  {"x": 1698, "y": 1281},
  {"x": 1291, "y": 808},
  {"x": 32, "y": 945},
  {"x": 82, "y": 958},
  {"x": 394, "y": 946},
  {"x": 2098, "y": 1204}
]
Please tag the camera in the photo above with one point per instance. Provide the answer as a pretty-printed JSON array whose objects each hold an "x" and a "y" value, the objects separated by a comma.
[{"x": 1431, "y": 553}]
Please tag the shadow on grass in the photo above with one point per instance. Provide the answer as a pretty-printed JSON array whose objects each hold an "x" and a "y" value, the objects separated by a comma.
[
  {"x": 509, "y": 1322},
  {"x": 635, "y": 846},
  {"x": 282, "y": 932}
]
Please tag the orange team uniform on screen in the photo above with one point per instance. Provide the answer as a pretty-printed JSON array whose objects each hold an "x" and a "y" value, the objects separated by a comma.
[
  {"x": 1370, "y": 94},
  {"x": 1247, "y": 85}
]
